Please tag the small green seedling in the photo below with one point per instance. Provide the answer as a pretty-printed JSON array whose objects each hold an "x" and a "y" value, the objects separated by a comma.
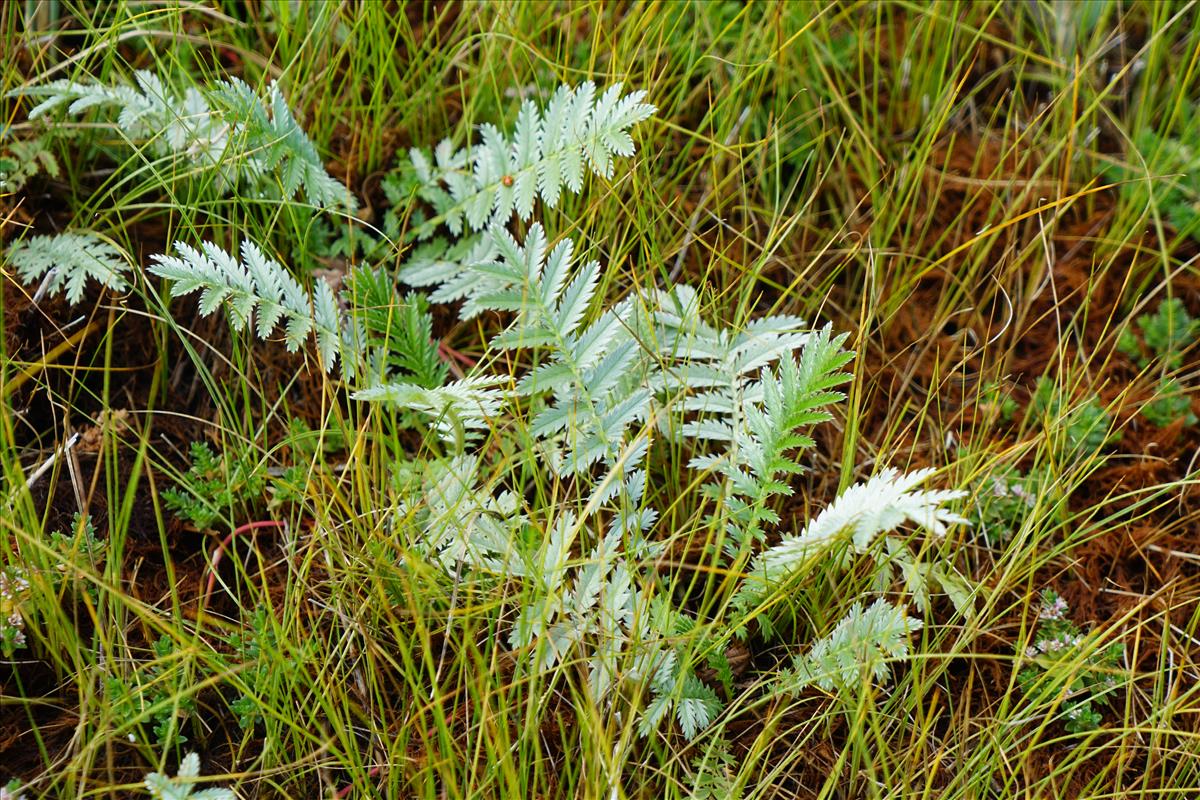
[
  {"x": 248, "y": 647},
  {"x": 1062, "y": 668},
  {"x": 212, "y": 486},
  {"x": 158, "y": 687},
  {"x": 1166, "y": 334},
  {"x": 1086, "y": 427},
  {"x": 1005, "y": 498},
  {"x": 1165, "y": 169},
  {"x": 1170, "y": 403},
  {"x": 998, "y": 399},
  {"x": 713, "y": 772},
  {"x": 14, "y": 592}
]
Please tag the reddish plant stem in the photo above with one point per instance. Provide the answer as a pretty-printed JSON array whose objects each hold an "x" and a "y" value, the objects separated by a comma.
[
  {"x": 220, "y": 549},
  {"x": 374, "y": 772},
  {"x": 449, "y": 353}
]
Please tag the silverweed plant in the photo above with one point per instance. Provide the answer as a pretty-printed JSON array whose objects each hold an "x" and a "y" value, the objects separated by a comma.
[
  {"x": 599, "y": 384},
  {"x": 229, "y": 134}
]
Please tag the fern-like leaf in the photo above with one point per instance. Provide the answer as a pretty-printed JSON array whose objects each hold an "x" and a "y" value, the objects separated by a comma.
[
  {"x": 68, "y": 261},
  {"x": 861, "y": 645},
  {"x": 398, "y": 331},
  {"x": 181, "y": 787},
  {"x": 461, "y": 523},
  {"x": 228, "y": 130},
  {"x": 884, "y": 502},
  {"x": 458, "y": 409},
  {"x": 696, "y": 706},
  {"x": 548, "y": 150},
  {"x": 445, "y": 269},
  {"x": 20, "y": 160},
  {"x": 256, "y": 284},
  {"x": 762, "y": 427},
  {"x": 714, "y": 370},
  {"x": 593, "y": 372}
]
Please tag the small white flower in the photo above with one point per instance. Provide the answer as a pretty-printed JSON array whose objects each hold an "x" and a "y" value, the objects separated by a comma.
[{"x": 1055, "y": 610}]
